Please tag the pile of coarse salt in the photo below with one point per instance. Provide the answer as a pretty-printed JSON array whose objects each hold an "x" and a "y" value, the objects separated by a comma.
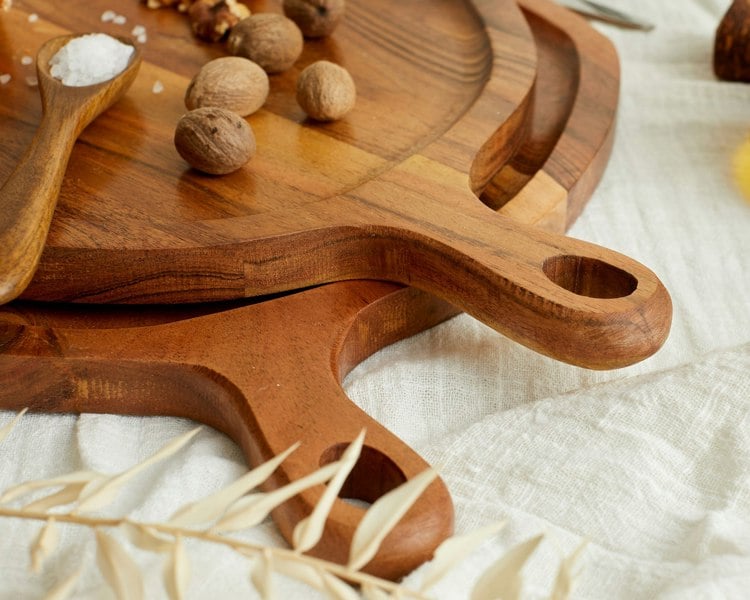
[{"x": 90, "y": 59}]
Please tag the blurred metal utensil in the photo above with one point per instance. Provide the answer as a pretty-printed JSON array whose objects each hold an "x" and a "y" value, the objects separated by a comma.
[{"x": 600, "y": 12}]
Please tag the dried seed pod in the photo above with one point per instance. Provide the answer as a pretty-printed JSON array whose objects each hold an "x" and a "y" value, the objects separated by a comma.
[
  {"x": 326, "y": 91},
  {"x": 315, "y": 18},
  {"x": 214, "y": 140},
  {"x": 230, "y": 82},
  {"x": 269, "y": 39},
  {"x": 211, "y": 20}
]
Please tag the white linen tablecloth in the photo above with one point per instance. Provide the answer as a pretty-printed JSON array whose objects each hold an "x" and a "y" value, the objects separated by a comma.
[{"x": 650, "y": 464}]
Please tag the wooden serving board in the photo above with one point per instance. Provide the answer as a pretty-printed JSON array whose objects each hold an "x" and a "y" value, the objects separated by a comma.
[
  {"x": 390, "y": 192},
  {"x": 181, "y": 360}
]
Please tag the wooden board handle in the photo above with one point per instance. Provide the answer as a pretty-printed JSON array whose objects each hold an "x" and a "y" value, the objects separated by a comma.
[{"x": 566, "y": 298}]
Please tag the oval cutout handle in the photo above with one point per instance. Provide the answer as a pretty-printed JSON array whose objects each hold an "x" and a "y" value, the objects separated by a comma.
[{"x": 569, "y": 299}]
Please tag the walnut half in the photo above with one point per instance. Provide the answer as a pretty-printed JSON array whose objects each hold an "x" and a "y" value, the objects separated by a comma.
[{"x": 211, "y": 20}]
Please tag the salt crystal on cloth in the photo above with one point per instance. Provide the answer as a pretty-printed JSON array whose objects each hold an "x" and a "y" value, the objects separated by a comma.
[
  {"x": 90, "y": 59},
  {"x": 649, "y": 464}
]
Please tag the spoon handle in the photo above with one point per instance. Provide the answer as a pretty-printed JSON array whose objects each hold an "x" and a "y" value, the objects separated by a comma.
[{"x": 28, "y": 200}]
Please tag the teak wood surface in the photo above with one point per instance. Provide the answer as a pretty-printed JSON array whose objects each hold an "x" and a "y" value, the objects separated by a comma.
[
  {"x": 391, "y": 192},
  {"x": 269, "y": 373}
]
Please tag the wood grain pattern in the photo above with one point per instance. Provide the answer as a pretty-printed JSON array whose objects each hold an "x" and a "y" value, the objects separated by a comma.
[
  {"x": 389, "y": 193},
  {"x": 184, "y": 359},
  {"x": 239, "y": 372}
]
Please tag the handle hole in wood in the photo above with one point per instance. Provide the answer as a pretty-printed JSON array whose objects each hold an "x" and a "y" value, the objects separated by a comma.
[
  {"x": 589, "y": 276},
  {"x": 374, "y": 474}
]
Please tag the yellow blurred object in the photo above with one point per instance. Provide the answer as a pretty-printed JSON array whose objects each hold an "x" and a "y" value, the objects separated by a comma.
[{"x": 741, "y": 168}]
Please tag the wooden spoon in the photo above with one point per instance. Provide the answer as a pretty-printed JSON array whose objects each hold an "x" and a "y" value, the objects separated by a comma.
[{"x": 28, "y": 198}]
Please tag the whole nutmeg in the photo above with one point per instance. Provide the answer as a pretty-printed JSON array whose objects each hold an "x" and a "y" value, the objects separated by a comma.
[
  {"x": 326, "y": 91},
  {"x": 315, "y": 18},
  {"x": 269, "y": 39},
  {"x": 214, "y": 140},
  {"x": 230, "y": 82}
]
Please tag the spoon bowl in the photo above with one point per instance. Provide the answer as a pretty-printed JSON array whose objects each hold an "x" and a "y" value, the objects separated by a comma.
[{"x": 29, "y": 196}]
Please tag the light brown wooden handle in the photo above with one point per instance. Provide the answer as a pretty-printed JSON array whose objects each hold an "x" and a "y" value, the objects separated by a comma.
[
  {"x": 27, "y": 203},
  {"x": 569, "y": 299}
]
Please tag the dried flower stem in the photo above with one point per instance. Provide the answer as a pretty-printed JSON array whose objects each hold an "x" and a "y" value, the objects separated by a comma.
[
  {"x": 238, "y": 545},
  {"x": 90, "y": 490}
]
